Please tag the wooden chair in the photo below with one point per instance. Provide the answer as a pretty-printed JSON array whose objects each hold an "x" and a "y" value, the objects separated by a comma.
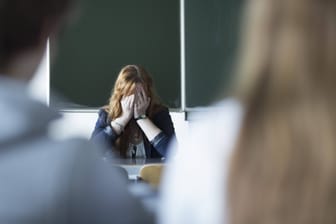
[{"x": 151, "y": 173}]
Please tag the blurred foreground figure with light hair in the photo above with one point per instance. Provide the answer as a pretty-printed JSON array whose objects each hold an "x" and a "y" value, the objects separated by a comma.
[
  {"x": 270, "y": 155},
  {"x": 284, "y": 167},
  {"x": 42, "y": 180}
]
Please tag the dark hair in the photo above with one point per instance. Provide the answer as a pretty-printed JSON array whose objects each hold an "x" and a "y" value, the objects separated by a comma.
[{"x": 22, "y": 23}]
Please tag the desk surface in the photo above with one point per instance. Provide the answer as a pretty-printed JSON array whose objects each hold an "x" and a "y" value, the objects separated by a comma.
[
  {"x": 136, "y": 162},
  {"x": 133, "y": 166}
]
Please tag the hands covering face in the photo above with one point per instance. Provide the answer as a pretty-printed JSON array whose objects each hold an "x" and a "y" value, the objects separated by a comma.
[{"x": 135, "y": 104}]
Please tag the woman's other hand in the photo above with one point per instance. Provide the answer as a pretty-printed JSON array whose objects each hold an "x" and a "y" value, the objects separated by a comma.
[{"x": 141, "y": 102}]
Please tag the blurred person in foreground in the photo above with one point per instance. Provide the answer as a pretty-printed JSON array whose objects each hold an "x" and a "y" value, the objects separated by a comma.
[
  {"x": 284, "y": 166},
  {"x": 277, "y": 132},
  {"x": 43, "y": 180}
]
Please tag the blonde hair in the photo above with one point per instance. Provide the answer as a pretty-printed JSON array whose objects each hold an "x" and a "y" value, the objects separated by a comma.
[
  {"x": 284, "y": 169},
  {"x": 129, "y": 76}
]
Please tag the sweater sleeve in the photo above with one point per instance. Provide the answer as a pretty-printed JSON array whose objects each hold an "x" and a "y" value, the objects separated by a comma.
[
  {"x": 103, "y": 132},
  {"x": 163, "y": 121}
]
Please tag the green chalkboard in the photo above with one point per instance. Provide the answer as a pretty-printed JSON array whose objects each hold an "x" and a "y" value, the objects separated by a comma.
[
  {"x": 211, "y": 33},
  {"x": 110, "y": 34},
  {"x": 114, "y": 33}
]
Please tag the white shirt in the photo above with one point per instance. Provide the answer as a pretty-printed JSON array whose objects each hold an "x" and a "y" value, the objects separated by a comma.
[
  {"x": 136, "y": 150},
  {"x": 194, "y": 182}
]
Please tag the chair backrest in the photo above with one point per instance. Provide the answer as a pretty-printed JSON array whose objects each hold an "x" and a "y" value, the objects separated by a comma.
[{"x": 151, "y": 173}]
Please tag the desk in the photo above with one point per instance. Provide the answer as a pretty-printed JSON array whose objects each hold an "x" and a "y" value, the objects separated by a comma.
[
  {"x": 133, "y": 166},
  {"x": 143, "y": 191}
]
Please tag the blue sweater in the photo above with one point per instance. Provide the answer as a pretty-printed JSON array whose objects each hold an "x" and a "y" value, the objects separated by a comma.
[{"x": 157, "y": 148}]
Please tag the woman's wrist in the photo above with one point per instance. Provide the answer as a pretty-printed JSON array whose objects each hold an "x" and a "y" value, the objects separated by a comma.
[
  {"x": 121, "y": 127},
  {"x": 123, "y": 120},
  {"x": 118, "y": 126}
]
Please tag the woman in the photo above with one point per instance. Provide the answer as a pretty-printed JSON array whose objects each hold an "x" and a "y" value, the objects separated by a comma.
[
  {"x": 282, "y": 123},
  {"x": 284, "y": 169},
  {"x": 134, "y": 123}
]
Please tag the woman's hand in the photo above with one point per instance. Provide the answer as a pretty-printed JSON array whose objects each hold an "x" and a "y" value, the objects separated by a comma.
[
  {"x": 127, "y": 106},
  {"x": 141, "y": 102}
]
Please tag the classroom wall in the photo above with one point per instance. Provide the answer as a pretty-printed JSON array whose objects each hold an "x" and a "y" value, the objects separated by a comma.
[
  {"x": 109, "y": 35},
  {"x": 209, "y": 45},
  {"x": 188, "y": 47},
  {"x": 80, "y": 124}
]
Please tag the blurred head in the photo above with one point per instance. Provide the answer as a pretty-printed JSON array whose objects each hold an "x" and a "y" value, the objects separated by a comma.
[
  {"x": 130, "y": 77},
  {"x": 283, "y": 169},
  {"x": 24, "y": 28},
  {"x": 290, "y": 43}
]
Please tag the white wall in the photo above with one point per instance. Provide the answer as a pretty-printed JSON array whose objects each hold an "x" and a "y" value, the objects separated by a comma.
[{"x": 80, "y": 124}]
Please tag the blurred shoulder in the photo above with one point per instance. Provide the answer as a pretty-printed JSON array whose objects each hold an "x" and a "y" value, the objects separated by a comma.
[
  {"x": 202, "y": 154},
  {"x": 214, "y": 128},
  {"x": 82, "y": 145},
  {"x": 222, "y": 111}
]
